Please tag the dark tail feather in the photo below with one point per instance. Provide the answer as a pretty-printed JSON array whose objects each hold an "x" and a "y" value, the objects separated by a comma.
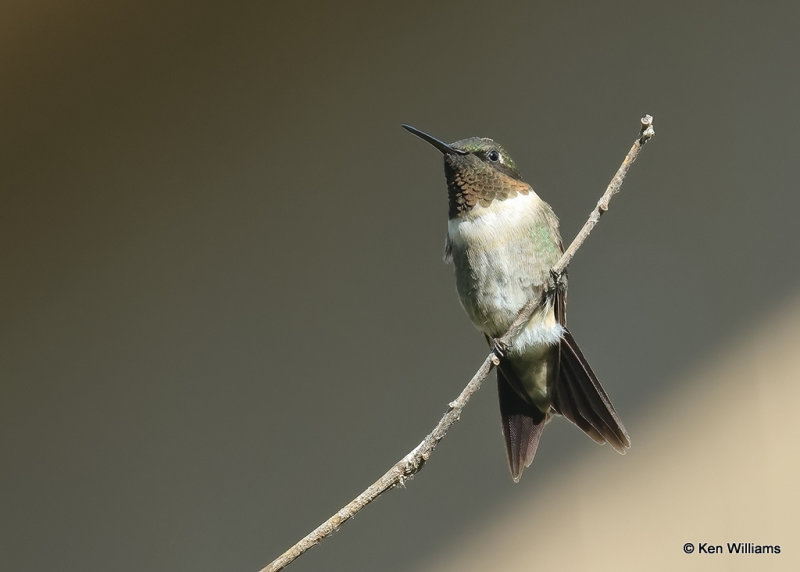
[
  {"x": 522, "y": 427},
  {"x": 580, "y": 398}
]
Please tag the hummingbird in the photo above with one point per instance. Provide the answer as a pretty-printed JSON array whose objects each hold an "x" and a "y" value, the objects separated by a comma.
[{"x": 503, "y": 239}]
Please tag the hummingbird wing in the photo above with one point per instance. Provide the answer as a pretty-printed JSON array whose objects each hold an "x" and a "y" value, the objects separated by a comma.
[
  {"x": 522, "y": 426},
  {"x": 579, "y": 397}
]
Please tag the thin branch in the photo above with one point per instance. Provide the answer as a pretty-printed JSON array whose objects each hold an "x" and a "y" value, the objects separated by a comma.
[
  {"x": 645, "y": 134},
  {"x": 404, "y": 468},
  {"x": 412, "y": 463}
]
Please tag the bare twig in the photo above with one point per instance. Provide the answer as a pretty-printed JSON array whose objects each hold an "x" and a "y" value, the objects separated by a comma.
[
  {"x": 412, "y": 463},
  {"x": 645, "y": 134},
  {"x": 404, "y": 468}
]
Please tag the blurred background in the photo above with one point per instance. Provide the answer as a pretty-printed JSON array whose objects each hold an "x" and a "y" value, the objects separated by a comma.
[{"x": 224, "y": 311}]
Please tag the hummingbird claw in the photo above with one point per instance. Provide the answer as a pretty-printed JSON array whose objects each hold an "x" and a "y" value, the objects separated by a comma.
[
  {"x": 558, "y": 279},
  {"x": 500, "y": 348}
]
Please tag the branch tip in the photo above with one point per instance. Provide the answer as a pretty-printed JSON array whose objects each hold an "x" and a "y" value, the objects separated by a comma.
[{"x": 647, "y": 132}]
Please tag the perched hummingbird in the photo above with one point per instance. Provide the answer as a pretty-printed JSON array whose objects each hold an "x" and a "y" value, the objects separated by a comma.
[{"x": 503, "y": 240}]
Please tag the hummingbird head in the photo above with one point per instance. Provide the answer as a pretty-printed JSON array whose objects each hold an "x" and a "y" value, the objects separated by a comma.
[{"x": 478, "y": 171}]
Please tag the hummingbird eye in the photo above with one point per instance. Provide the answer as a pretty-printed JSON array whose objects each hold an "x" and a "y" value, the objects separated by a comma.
[{"x": 493, "y": 156}]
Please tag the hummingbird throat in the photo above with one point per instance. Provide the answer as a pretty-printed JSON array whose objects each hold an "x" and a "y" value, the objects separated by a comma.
[{"x": 468, "y": 188}]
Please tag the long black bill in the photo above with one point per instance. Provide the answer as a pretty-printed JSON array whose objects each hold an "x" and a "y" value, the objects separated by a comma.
[{"x": 440, "y": 145}]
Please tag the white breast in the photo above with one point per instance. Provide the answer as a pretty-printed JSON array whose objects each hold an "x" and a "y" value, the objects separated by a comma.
[{"x": 492, "y": 249}]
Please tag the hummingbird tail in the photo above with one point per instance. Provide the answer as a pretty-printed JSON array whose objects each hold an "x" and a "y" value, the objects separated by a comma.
[
  {"x": 580, "y": 398},
  {"x": 522, "y": 427}
]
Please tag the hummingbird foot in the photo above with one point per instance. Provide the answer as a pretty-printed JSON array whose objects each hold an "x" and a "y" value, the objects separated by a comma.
[
  {"x": 558, "y": 280},
  {"x": 500, "y": 348}
]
